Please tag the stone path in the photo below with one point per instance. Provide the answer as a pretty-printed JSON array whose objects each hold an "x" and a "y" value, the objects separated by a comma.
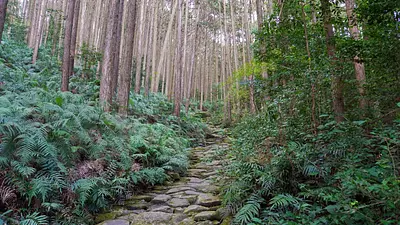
[{"x": 193, "y": 200}]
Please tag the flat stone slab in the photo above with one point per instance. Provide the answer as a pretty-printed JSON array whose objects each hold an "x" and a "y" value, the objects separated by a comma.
[
  {"x": 151, "y": 218},
  {"x": 159, "y": 199},
  {"x": 195, "y": 180},
  {"x": 208, "y": 189},
  {"x": 179, "y": 189},
  {"x": 193, "y": 192},
  {"x": 197, "y": 171},
  {"x": 206, "y": 215},
  {"x": 208, "y": 200},
  {"x": 162, "y": 208},
  {"x": 115, "y": 222},
  {"x": 178, "y": 217},
  {"x": 178, "y": 202},
  {"x": 195, "y": 209},
  {"x": 210, "y": 173},
  {"x": 146, "y": 198},
  {"x": 191, "y": 198}
]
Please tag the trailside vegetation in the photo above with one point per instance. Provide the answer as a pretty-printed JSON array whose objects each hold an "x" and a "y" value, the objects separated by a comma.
[
  {"x": 62, "y": 158},
  {"x": 323, "y": 147}
]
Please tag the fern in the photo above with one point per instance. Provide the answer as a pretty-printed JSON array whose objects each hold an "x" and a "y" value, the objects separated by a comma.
[
  {"x": 283, "y": 202},
  {"x": 250, "y": 211},
  {"x": 34, "y": 219}
]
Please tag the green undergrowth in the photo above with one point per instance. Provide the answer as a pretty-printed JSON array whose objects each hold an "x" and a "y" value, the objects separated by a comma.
[
  {"x": 62, "y": 159},
  {"x": 346, "y": 174}
]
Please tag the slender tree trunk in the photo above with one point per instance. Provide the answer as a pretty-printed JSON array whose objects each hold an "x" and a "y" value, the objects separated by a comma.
[
  {"x": 313, "y": 91},
  {"x": 164, "y": 47},
  {"x": 192, "y": 61},
  {"x": 106, "y": 92},
  {"x": 34, "y": 23},
  {"x": 124, "y": 82},
  {"x": 67, "y": 46},
  {"x": 141, "y": 37},
  {"x": 235, "y": 54},
  {"x": 359, "y": 67},
  {"x": 117, "y": 46},
  {"x": 74, "y": 35},
  {"x": 148, "y": 50},
  {"x": 39, "y": 29},
  {"x": 154, "y": 53},
  {"x": 248, "y": 42},
  {"x": 178, "y": 77},
  {"x": 337, "y": 83},
  {"x": 3, "y": 10}
]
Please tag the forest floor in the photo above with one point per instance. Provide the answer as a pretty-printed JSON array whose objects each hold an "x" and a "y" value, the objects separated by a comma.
[{"x": 190, "y": 200}]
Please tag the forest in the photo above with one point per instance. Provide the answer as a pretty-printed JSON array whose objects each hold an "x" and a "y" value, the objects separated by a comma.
[{"x": 199, "y": 112}]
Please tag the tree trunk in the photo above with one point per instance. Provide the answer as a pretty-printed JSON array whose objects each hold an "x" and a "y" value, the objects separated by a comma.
[
  {"x": 74, "y": 36},
  {"x": 337, "y": 83},
  {"x": 164, "y": 47},
  {"x": 124, "y": 82},
  {"x": 178, "y": 77},
  {"x": 106, "y": 93},
  {"x": 39, "y": 28},
  {"x": 117, "y": 46},
  {"x": 192, "y": 60},
  {"x": 67, "y": 46},
  {"x": 3, "y": 11},
  {"x": 148, "y": 49},
  {"x": 359, "y": 67},
  {"x": 154, "y": 53},
  {"x": 138, "y": 75}
]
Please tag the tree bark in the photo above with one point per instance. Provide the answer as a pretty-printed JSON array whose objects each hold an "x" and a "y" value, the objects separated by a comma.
[
  {"x": 74, "y": 36},
  {"x": 337, "y": 83},
  {"x": 106, "y": 93},
  {"x": 178, "y": 77},
  {"x": 38, "y": 30},
  {"x": 154, "y": 53},
  {"x": 124, "y": 81},
  {"x": 138, "y": 75},
  {"x": 67, "y": 46},
  {"x": 359, "y": 67},
  {"x": 164, "y": 47},
  {"x": 117, "y": 46},
  {"x": 3, "y": 11}
]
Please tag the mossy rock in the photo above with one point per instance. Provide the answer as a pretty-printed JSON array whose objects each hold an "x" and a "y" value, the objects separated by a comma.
[
  {"x": 227, "y": 221},
  {"x": 146, "y": 198},
  {"x": 137, "y": 205},
  {"x": 105, "y": 216}
]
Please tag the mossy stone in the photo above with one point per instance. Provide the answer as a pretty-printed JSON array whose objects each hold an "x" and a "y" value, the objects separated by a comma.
[{"x": 105, "y": 216}]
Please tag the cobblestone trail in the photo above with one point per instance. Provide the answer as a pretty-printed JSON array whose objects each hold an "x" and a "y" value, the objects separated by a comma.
[{"x": 192, "y": 200}]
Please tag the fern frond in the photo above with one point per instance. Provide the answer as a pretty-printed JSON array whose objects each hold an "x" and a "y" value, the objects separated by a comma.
[
  {"x": 284, "y": 201},
  {"x": 249, "y": 211},
  {"x": 34, "y": 219}
]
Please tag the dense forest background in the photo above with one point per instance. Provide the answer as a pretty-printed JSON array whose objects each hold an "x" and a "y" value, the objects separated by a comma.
[{"x": 101, "y": 97}]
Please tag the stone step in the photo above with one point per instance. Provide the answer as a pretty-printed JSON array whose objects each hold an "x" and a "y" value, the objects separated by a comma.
[{"x": 191, "y": 200}]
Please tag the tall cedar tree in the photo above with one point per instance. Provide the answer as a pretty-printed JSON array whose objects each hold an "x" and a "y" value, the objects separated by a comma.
[
  {"x": 108, "y": 70},
  {"x": 124, "y": 82},
  {"x": 74, "y": 36},
  {"x": 67, "y": 46},
  {"x": 3, "y": 11},
  {"x": 178, "y": 78}
]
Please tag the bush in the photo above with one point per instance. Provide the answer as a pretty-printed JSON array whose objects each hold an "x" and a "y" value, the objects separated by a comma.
[
  {"x": 344, "y": 175},
  {"x": 63, "y": 159}
]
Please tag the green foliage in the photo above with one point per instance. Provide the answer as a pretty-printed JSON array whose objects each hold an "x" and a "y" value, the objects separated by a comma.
[
  {"x": 341, "y": 176},
  {"x": 291, "y": 162},
  {"x": 89, "y": 58},
  {"x": 63, "y": 158}
]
